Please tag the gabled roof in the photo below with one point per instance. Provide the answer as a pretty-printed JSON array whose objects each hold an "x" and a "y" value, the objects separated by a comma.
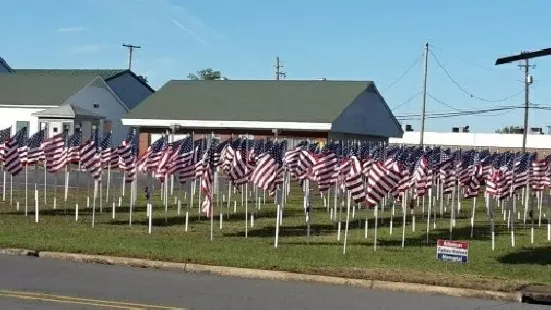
[
  {"x": 105, "y": 74},
  {"x": 23, "y": 89},
  {"x": 269, "y": 101},
  {"x": 68, "y": 111},
  {"x": 5, "y": 64}
]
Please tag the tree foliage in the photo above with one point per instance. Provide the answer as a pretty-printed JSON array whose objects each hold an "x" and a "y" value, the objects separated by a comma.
[
  {"x": 510, "y": 129},
  {"x": 207, "y": 74}
]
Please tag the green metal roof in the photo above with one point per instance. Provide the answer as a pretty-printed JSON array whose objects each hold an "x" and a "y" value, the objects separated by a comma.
[
  {"x": 103, "y": 73},
  {"x": 23, "y": 89},
  {"x": 266, "y": 100}
]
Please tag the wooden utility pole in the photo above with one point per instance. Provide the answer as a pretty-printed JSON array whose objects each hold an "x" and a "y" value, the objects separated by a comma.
[
  {"x": 130, "y": 50},
  {"x": 278, "y": 72},
  {"x": 424, "y": 100},
  {"x": 527, "y": 81}
]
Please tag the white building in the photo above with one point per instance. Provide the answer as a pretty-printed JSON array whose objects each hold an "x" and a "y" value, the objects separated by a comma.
[
  {"x": 475, "y": 140},
  {"x": 24, "y": 96}
]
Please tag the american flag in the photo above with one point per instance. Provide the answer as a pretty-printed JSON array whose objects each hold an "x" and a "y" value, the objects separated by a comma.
[
  {"x": 207, "y": 180},
  {"x": 239, "y": 170},
  {"x": 4, "y": 136},
  {"x": 90, "y": 156},
  {"x": 73, "y": 147},
  {"x": 421, "y": 176},
  {"x": 55, "y": 152},
  {"x": 182, "y": 163},
  {"x": 35, "y": 151},
  {"x": 539, "y": 179},
  {"x": 12, "y": 163},
  {"x": 151, "y": 159},
  {"x": 269, "y": 170},
  {"x": 109, "y": 158},
  {"x": 127, "y": 151},
  {"x": 325, "y": 169},
  {"x": 381, "y": 180},
  {"x": 353, "y": 180}
]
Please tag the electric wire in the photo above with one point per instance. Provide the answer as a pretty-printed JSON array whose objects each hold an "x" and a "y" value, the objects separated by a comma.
[
  {"x": 407, "y": 100},
  {"x": 474, "y": 64},
  {"x": 415, "y": 62},
  {"x": 466, "y": 91},
  {"x": 474, "y": 112}
]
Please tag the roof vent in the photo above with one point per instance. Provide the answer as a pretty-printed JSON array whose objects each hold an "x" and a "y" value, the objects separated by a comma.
[{"x": 322, "y": 79}]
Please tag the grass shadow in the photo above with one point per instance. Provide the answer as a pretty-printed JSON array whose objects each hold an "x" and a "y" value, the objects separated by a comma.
[
  {"x": 285, "y": 231},
  {"x": 536, "y": 256}
]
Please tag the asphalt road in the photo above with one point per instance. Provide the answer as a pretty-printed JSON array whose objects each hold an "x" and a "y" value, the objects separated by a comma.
[{"x": 39, "y": 283}]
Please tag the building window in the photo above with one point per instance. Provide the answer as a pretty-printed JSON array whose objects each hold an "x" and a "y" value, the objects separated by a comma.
[
  {"x": 55, "y": 129},
  {"x": 96, "y": 105},
  {"x": 20, "y": 124}
]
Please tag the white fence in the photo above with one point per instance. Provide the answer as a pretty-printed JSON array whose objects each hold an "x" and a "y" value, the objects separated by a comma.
[{"x": 475, "y": 140}]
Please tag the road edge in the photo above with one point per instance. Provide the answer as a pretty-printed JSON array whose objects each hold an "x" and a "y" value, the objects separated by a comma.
[{"x": 516, "y": 296}]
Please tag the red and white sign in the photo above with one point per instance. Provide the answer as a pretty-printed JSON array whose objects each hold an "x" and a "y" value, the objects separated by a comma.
[{"x": 452, "y": 251}]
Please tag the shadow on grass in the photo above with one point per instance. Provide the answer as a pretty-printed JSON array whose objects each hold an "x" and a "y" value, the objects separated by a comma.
[
  {"x": 537, "y": 256},
  {"x": 286, "y": 231},
  {"x": 388, "y": 244}
]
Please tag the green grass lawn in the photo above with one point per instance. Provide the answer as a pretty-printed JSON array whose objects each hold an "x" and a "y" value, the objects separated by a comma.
[{"x": 505, "y": 269}]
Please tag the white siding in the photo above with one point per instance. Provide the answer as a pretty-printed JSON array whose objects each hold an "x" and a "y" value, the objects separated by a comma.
[
  {"x": 109, "y": 107},
  {"x": 10, "y": 115}
]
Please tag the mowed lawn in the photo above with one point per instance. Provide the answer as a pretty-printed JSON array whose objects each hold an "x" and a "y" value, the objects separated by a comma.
[{"x": 505, "y": 269}]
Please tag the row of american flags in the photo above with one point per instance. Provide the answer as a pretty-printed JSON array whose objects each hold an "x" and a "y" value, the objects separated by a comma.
[
  {"x": 61, "y": 150},
  {"x": 370, "y": 171}
]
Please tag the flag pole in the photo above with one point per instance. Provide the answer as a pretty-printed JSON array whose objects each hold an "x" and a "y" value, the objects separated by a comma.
[
  {"x": 45, "y": 181},
  {"x": 77, "y": 191},
  {"x": 26, "y": 189}
]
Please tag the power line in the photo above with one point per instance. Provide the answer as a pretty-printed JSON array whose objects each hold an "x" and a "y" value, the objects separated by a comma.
[
  {"x": 455, "y": 114},
  {"x": 474, "y": 64},
  {"x": 443, "y": 103},
  {"x": 463, "y": 110},
  {"x": 415, "y": 62},
  {"x": 466, "y": 91},
  {"x": 407, "y": 101}
]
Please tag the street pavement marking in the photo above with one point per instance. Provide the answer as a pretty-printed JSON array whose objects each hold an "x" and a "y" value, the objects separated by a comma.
[{"x": 80, "y": 301}]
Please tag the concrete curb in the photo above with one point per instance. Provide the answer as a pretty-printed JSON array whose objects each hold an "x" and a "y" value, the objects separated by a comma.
[{"x": 274, "y": 275}]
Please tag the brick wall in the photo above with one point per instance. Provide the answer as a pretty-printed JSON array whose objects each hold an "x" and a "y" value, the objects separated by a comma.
[{"x": 143, "y": 142}]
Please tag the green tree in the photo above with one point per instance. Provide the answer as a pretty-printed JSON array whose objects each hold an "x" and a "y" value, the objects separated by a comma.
[
  {"x": 510, "y": 129},
  {"x": 207, "y": 74}
]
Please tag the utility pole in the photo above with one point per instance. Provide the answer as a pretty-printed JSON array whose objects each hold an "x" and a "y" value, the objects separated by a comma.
[
  {"x": 130, "y": 50},
  {"x": 278, "y": 72},
  {"x": 527, "y": 81},
  {"x": 424, "y": 99}
]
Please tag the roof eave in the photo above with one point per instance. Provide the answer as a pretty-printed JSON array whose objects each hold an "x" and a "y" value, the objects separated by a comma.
[{"x": 298, "y": 126}]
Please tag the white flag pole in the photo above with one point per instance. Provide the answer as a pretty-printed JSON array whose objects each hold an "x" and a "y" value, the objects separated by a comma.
[{"x": 26, "y": 189}]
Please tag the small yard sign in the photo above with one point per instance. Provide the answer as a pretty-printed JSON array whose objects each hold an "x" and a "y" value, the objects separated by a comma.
[{"x": 452, "y": 251}]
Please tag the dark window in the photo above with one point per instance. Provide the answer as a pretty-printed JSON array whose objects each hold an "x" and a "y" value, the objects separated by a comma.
[
  {"x": 96, "y": 105},
  {"x": 21, "y": 124}
]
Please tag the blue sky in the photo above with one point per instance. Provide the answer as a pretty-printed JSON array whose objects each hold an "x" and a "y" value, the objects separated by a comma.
[{"x": 338, "y": 40}]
